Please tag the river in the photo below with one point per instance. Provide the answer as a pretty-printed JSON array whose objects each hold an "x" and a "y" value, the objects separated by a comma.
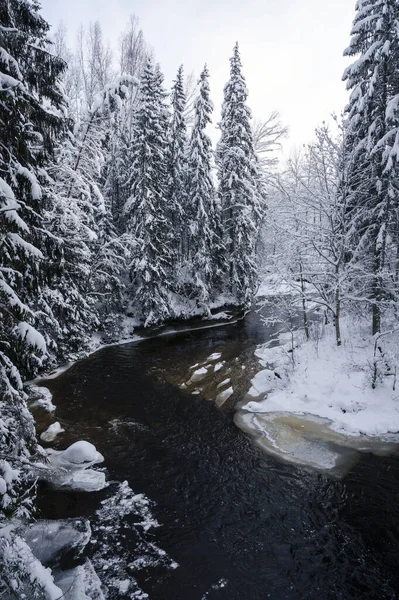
[{"x": 241, "y": 524}]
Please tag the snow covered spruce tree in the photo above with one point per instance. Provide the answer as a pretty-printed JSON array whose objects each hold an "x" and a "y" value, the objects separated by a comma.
[
  {"x": 239, "y": 186},
  {"x": 146, "y": 209},
  {"x": 31, "y": 115},
  {"x": 373, "y": 144},
  {"x": 204, "y": 244},
  {"x": 177, "y": 168},
  {"x": 93, "y": 255}
]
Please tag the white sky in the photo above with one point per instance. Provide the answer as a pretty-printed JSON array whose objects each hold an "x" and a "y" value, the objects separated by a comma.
[{"x": 291, "y": 49}]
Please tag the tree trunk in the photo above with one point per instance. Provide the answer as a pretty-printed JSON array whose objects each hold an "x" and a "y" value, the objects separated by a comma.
[{"x": 304, "y": 311}]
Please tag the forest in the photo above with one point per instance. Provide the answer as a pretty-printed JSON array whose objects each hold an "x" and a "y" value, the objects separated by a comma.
[{"x": 118, "y": 212}]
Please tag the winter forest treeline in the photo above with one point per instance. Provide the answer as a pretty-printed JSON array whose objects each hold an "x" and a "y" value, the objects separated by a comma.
[{"x": 114, "y": 202}]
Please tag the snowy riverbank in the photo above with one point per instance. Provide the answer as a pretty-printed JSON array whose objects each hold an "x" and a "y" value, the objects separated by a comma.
[{"x": 330, "y": 382}]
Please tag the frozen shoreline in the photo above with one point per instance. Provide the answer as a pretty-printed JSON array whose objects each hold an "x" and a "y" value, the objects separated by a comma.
[{"x": 318, "y": 406}]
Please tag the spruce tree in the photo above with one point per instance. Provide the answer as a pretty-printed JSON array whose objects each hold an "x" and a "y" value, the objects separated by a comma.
[
  {"x": 177, "y": 168},
  {"x": 373, "y": 146},
  {"x": 203, "y": 242},
  {"x": 31, "y": 115},
  {"x": 239, "y": 186},
  {"x": 146, "y": 209}
]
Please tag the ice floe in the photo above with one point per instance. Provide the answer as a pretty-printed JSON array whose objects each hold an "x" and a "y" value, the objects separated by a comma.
[
  {"x": 214, "y": 356},
  {"x": 198, "y": 375},
  {"x": 80, "y": 583},
  {"x": 223, "y": 383},
  {"x": 224, "y": 396},
  {"x": 48, "y": 540}
]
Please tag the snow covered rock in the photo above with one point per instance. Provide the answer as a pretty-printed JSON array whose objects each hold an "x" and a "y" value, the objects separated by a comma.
[
  {"x": 82, "y": 452},
  {"x": 42, "y": 397},
  {"x": 69, "y": 469},
  {"x": 51, "y": 432}
]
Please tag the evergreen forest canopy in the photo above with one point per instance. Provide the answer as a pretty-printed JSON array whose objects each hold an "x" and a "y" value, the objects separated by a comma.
[{"x": 113, "y": 201}]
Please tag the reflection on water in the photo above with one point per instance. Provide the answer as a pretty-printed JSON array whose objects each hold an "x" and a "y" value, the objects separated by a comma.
[{"x": 240, "y": 524}]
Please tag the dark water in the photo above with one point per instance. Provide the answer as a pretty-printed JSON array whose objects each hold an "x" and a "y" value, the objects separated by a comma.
[{"x": 228, "y": 511}]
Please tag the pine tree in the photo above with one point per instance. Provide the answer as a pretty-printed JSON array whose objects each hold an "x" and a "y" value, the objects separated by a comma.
[
  {"x": 146, "y": 209},
  {"x": 373, "y": 144},
  {"x": 177, "y": 169},
  {"x": 203, "y": 242},
  {"x": 239, "y": 186}
]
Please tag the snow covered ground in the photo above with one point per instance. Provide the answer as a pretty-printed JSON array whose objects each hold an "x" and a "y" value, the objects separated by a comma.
[
  {"x": 303, "y": 402},
  {"x": 329, "y": 381}
]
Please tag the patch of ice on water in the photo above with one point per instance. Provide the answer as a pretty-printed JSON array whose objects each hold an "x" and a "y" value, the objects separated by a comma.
[
  {"x": 222, "y": 383},
  {"x": 214, "y": 356},
  {"x": 119, "y": 535},
  {"x": 49, "y": 539},
  {"x": 124, "y": 586},
  {"x": 223, "y": 396},
  {"x": 88, "y": 480},
  {"x": 56, "y": 372},
  {"x": 198, "y": 375},
  {"x": 80, "y": 583},
  {"x": 217, "y": 586},
  {"x": 218, "y": 366},
  {"x": 51, "y": 432}
]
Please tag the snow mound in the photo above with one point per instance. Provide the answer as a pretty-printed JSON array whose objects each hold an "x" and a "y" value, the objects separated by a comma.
[
  {"x": 51, "y": 432},
  {"x": 82, "y": 452},
  {"x": 68, "y": 469},
  {"x": 42, "y": 397}
]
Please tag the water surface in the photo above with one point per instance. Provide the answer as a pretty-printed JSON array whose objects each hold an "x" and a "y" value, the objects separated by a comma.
[{"x": 241, "y": 524}]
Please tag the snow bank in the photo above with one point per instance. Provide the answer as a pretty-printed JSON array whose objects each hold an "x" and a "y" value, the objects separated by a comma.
[
  {"x": 272, "y": 285},
  {"x": 330, "y": 382},
  {"x": 42, "y": 397}
]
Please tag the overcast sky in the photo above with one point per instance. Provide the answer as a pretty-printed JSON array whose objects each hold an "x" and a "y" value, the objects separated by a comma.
[{"x": 291, "y": 49}]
